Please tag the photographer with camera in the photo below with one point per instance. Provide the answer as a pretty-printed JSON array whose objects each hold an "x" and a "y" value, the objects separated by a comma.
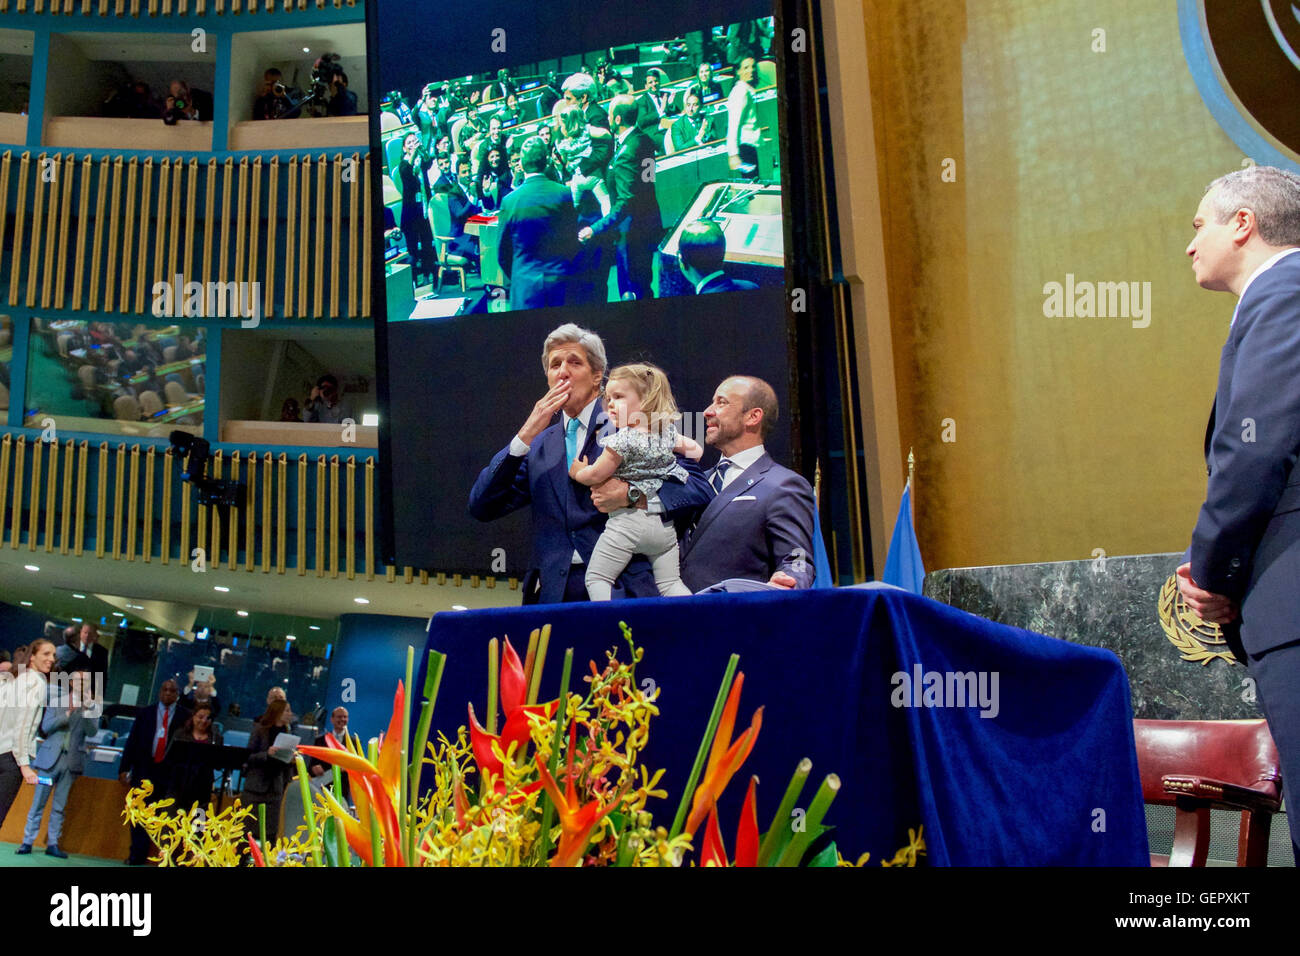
[
  {"x": 342, "y": 101},
  {"x": 186, "y": 104},
  {"x": 276, "y": 101},
  {"x": 327, "y": 405}
]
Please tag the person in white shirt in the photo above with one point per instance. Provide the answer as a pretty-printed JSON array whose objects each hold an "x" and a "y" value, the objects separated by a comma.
[
  {"x": 21, "y": 706},
  {"x": 743, "y": 131}
]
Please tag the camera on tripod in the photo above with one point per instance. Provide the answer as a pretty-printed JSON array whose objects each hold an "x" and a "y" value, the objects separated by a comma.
[{"x": 195, "y": 453}]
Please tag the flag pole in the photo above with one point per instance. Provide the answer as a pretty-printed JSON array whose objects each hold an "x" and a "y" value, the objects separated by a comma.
[{"x": 911, "y": 466}]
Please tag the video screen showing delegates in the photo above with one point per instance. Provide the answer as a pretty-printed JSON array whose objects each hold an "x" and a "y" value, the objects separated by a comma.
[
  {"x": 645, "y": 168},
  {"x": 613, "y": 166}
]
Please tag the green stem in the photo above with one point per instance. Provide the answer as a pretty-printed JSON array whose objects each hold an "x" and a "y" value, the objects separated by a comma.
[
  {"x": 376, "y": 848},
  {"x": 405, "y": 825},
  {"x": 772, "y": 838},
  {"x": 812, "y": 822},
  {"x": 376, "y": 844},
  {"x": 261, "y": 827},
  {"x": 308, "y": 810},
  {"x": 529, "y": 659},
  {"x": 493, "y": 679},
  {"x": 539, "y": 663},
  {"x": 702, "y": 755},
  {"x": 432, "y": 681},
  {"x": 548, "y": 807},
  {"x": 345, "y": 855}
]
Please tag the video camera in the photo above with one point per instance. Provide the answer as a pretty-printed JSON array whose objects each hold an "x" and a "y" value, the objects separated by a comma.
[{"x": 194, "y": 453}]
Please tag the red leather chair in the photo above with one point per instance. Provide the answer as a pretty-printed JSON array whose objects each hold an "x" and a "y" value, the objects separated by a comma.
[{"x": 1197, "y": 766}]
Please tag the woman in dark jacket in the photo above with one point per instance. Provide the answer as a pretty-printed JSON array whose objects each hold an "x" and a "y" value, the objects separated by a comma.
[
  {"x": 191, "y": 783},
  {"x": 266, "y": 774}
]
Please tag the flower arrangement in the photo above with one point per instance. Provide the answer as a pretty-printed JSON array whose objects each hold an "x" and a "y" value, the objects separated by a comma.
[{"x": 558, "y": 783}]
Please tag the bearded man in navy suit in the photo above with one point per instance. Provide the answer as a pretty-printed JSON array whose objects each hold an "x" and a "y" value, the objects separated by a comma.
[
  {"x": 759, "y": 524},
  {"x": 1242, "y": 570},
  {"x": 533, "y": 471}
]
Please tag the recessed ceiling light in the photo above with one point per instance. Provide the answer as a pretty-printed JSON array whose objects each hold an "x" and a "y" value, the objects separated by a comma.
[
  {"x": 31, "y": 567},
  {"x": 459, "y": 607},
  {"x": 136, "y": 607},
  {"x": 242, "y": 613},
  {"x": 362, "y": 600},
  {"x": 306, "y": 49},
  {"x": 80, "y": 596},
  {"x": 154, "y": 629},
  {"x": 118, "y": 614},
  {"x": 25, "y": 603},
  {"x": 290, "y": 637},
  {"x": 77, "y": 619},
  {"x": 313, "y": 627},
  {"x": 218, "y": 587}
]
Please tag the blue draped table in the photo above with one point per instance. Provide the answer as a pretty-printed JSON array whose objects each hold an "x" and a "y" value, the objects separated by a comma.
[{"x": 1048, "y": 777}]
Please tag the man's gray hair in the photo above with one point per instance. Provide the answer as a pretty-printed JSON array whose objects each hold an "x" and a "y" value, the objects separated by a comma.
[
  {"x": 570, "y": 334},
  {"x": 580, "y": 85},
  {"x": 1272, "y": 194}
]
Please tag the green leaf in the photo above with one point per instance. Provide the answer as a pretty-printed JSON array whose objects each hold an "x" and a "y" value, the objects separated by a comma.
[
  {"x": 827, "y": 857},
  {"x": 331, "y": 843}
]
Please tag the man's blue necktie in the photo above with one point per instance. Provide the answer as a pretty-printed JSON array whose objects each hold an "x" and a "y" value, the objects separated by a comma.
[
  {"x": 571, "y": 439},
  {"x": 719, "y": 473}
]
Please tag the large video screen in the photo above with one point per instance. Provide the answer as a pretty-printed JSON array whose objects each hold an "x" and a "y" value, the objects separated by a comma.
[
  {"x": 591, "y": 163},
  {"x": 580, "y": 178}
]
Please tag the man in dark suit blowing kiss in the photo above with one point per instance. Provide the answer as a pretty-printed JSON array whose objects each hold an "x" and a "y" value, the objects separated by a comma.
[
  {"x": 634, "y": 207},
  {"x": 537, "y": 224},
  {"x": 759, "y": 524},
  {"x": 1243, "y": 568},
  {"x": 533, "y": 472}
]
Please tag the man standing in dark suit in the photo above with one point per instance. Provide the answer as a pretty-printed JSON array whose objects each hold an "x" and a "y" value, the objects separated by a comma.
[
  {"x": 142, "y": 757},
  {"x": 701, "y": 251},
  {"x": 1242, "y": 570},
  {"x": 319, "y": 769},
  {"x": 533, "y": 471},
  {"x": 654, "y": 105},
  {"x": 97, "y": 656},
  {"x": 759, "y": 524},
  {"x": 538, "y": 221},
  {"x": 634, "y": 207}
]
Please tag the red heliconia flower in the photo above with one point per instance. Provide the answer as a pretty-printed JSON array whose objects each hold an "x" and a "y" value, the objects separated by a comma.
[
  {"x": 516, "y": 728},
  {"x": 255, "y": 850},
  {"x": 714, "y": 852},
  {"x": 576, "y": 822},
  {"x": 725, "y": 757}
]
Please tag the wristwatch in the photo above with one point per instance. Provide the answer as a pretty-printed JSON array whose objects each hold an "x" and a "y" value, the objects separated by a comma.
[{"x": 633, "y": 495}]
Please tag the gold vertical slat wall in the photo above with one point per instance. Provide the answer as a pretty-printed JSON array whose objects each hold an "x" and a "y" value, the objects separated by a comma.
[
  {"x": 144, "y": 218},
  {"x": 123, "y": 505}
]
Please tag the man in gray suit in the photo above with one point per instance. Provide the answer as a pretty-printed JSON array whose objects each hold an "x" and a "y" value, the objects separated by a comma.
[
  {"x": 60, "y": 759},
  {"x": 759, "y": 524}
]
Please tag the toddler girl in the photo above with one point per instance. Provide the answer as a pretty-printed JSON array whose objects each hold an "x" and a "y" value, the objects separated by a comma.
[{"x": 640, "y": 405}]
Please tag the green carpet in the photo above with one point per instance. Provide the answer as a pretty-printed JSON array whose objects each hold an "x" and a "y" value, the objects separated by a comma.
[{"x": 37, "y": 858}]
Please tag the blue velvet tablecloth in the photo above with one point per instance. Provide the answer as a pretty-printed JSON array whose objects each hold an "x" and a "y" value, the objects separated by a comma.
[{"x": 1048, "y": 777}]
